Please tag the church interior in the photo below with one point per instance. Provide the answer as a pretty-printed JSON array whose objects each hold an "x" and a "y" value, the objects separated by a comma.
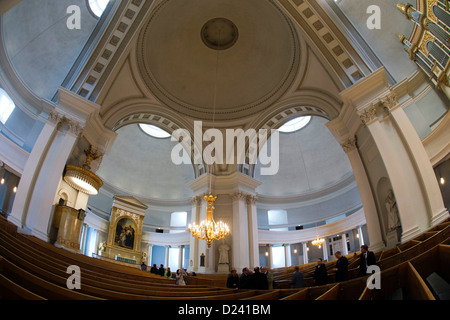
[{"x": 215, "y": 135}]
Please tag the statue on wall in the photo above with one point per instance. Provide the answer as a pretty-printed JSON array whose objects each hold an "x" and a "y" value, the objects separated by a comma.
[
  {"x": 392, "y": 210},
  {"x": 102, "y": 247},
  {"x": 223, "y": 253}
]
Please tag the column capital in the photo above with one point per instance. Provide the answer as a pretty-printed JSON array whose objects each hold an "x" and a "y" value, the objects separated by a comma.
[
  {"x": 196, "y": 200},
  {"x": 239, "y": 195},
  {"x": 379, "y": 107},
  {"x": 349, "y": 145},
  {"x": 61, "y": 121},
  {"x": 251, "y": 199}
]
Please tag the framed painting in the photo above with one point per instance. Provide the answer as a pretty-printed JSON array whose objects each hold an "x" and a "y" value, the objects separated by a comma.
[{"x": 125, "y": 232}]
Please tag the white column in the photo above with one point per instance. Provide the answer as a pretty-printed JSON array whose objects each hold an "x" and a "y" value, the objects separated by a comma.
[
  {"x": 166, "y": 258},
  {"x": 365, "y": 192},
  {"x": 252, "y": 230},
  {"x": 180, "y": 257},
  {"x": 33, "y": 209},
  {"x": 287, "y": 255},
  {"x": 194, "y": 255},
  {"x": 413, "y": 181},
  {"x": 149, "y": 255},
  {"x": 240, "y": 231},
  {"x": 305, "y": 252},
  {"x": 325, "y": 250},
  {"x": 344, "y": 244},
  {"x": 361, "y": 237},
  {"x": 424, "y": 169},
  {"x": 270, "y": 256},
  {"x": 269, "y": 252}
]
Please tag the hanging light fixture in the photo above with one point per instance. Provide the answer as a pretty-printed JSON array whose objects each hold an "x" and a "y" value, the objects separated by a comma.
[
  {"x": 208, "y": 229},
  {"x": 318, "y": 242},
  {"x": 81, "y": 178}
]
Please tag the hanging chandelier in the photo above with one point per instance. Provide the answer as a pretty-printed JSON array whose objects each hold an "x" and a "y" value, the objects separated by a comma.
[
  {"x": 81, "y": 178},
  {"x": 318, "y": 242},
  {"x": 208, "y": 229}
]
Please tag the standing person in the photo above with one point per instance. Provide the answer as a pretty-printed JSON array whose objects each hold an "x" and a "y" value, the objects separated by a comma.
[
  {"x": 245, "y": 280},
  {"x": 233, "y": 279},
  {"x": 143, "y": 266},
  {"x": 259, "y": 280},
  {"x": 161, "y": 270},
  {"x": 366, "y": 259},
  {"x": 180, "y": 277},
  {"x": 341, "y": 268},
  {"x": 297, "y": 278},
  {"x": 269, "y": 275},
  {"x": 320, "y": 273}
]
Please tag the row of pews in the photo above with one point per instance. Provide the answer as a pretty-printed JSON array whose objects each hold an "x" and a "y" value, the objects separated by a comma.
[
  {"x": 415, "y": 270},
  {"x": 33, "y": 269}
]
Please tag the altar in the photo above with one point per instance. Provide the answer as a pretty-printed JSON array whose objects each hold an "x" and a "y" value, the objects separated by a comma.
[{"x": 125, "y": 230}]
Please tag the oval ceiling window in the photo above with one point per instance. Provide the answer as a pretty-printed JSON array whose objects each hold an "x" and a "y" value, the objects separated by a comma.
[
  {"x": 154, "y": 131},
  {"x": 295, "y": 124},
  {"x": 98, "y": 6},
  {"x": 6, "y": 106}
]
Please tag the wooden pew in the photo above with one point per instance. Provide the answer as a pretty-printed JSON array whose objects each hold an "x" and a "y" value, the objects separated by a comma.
[
  {"x": 39, "y": 286},
  {"x": 56, "y": 268},
  {"x": 436, "y": 260},
  {"x": 271, "y": 295},
  {"x": 347, "y": 290},
  {"x": 98, "y": 289},
  {"x": 311, "y": 293},
  {"x": 139, "y": 277},
  {"x": 12, "y": 291}
]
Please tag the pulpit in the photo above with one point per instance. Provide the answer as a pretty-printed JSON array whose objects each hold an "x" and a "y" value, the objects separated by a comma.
[
  {"x": 68, "y": 222},
  {"x": 125, "y": 230}
]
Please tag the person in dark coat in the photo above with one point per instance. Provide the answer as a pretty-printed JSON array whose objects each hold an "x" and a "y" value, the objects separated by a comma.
[
  {"x": 366, "y": 259},
  {"x": 161, "y": 270},
  {"x": 341, "y": 267},
  {"x": 320, "y": 273},
  {"x": 259, "y": 280},
  {"x": 297, "y": 278},
  {"x": 245, "y": 279},
  {"x": 154, "y": 269},
  {"x": 233, "y": 279}
]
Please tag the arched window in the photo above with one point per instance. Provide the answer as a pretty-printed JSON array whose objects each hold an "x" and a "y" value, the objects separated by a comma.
[
  {"x": 6, "y": 106},
  {"x": 98, "y": 6},
  {"x": 295, "y": 124},
  {"x": 154, "y": 131}
]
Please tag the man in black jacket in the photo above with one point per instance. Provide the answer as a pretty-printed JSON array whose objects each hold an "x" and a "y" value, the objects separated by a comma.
[
  {"x": 245, "y": 279},
  {"x": 320, "y": 273},
  {"x": 341, "y": 267},
  {"x": 366, "y": 259},
  {"x": 259, "y": 280},
  {"x": 233, "y": 279}
]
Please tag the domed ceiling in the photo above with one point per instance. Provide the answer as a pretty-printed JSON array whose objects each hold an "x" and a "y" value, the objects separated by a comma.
[{"x": 256, "y": 62}]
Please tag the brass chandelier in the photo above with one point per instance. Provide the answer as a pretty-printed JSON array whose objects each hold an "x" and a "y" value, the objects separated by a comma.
[
  {"x": 318, "y": 242},
  {"x": 208, "y": 229}
]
